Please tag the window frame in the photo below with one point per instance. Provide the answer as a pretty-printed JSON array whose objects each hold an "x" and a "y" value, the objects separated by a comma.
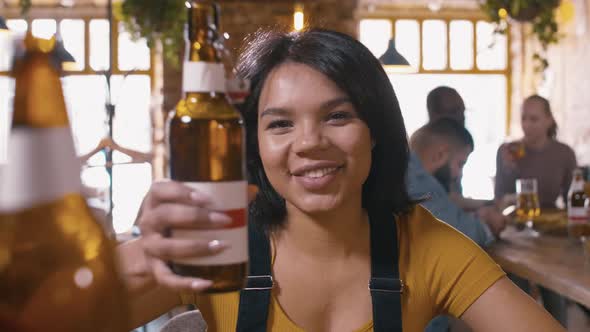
[
  {"x": 447, "y": 16},
  {"x": 85, "y": 14}
]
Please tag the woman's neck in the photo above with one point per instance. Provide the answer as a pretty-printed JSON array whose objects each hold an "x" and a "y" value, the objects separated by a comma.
[
  {"x": 335, "y": 234},
  {"x": 536, "y": 143}
]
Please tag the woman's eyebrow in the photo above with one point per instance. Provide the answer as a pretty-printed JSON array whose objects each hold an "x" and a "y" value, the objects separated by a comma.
[
  {"x": 278, "y": 111},
  {"x": 335, "y": 102},
  {"x": 274, "y": 111}
]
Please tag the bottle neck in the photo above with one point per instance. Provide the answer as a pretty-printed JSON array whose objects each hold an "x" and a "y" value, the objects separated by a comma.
[
  {"x": 35, "y": 80},
  {"x": 577, "y": 183},
  {"x": 202, "y": 33},
  {"x": 203, "y": 72}
]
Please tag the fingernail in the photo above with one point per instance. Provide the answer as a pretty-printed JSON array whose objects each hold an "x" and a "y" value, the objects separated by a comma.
[
  {"x": 199, "y": 197},
  {"x": 219, "y": 218},
  {"x": 217, "y": 245},
  {"x": 201, "y": 284}
]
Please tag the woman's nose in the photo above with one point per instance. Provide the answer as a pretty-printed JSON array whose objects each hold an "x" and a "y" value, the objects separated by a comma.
[{"x": 308, "y": 138}]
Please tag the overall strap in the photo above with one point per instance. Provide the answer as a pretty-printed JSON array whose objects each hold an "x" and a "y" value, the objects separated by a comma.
[
  {"x": 385, "y": 285},
  {"x": 255, "y": 297}
]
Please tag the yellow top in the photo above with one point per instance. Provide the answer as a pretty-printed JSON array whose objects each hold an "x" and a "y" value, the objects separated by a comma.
[{"x": 444, "y": 272}]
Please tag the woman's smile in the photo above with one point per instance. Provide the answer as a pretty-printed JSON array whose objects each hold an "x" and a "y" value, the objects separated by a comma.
[{"x": 318, "y": 175}]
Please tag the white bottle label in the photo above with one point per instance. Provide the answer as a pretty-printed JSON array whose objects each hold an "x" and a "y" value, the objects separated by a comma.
[
  {"x": 203, "y": 77},
  {"x": 577, "y": 215},
  {"x": 230, "y": 198},
  {"x": 42, "y": 167}
]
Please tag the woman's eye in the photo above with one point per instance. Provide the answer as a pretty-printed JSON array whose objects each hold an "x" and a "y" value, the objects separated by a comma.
[
  {"x": 341, "y": 115},
  {"x": 279, "y": 124}
]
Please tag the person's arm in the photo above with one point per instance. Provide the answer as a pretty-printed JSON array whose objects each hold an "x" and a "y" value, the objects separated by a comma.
[
  {"x": 153, "y": 288},
  {"x": 442, "y": 208},
  {"x": 423, "y": 186},
  {"x": 504, "y": 307},
  {"x": 505, "y": 178},
  {"x": 468, "y": 204},
  {"x": 463, "y": 281},
  {"x": 147, "y": 300}
]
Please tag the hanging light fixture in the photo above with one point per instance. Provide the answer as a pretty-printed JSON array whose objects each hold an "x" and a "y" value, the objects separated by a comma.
[
  {"x": 61, "y": 56},
  {"x": 3, "y": 26},
  {"x": 64, "y": 57},
  {"x": 394, "y": 62},
  {"x": 298, "y": 17}
]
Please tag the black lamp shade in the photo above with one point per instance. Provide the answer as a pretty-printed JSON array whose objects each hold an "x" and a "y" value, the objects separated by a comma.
[
  {"x": 391, "y": 57},
  {"x": 61, "y": 58},
  {"x": 3, "y": 25},
  {"x": 61, "y": 53}
]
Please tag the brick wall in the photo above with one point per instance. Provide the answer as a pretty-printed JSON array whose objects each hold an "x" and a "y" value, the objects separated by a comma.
[{"x": 240, "y": 18}]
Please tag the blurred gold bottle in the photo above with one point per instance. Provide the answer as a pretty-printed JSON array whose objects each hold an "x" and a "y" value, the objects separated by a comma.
[
  {"x": 207, "y": 151},
  {"x": 57, "y": 268}
]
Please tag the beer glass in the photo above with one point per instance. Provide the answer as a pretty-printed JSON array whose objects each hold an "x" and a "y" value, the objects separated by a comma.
[{"x": 527, "y": 202}]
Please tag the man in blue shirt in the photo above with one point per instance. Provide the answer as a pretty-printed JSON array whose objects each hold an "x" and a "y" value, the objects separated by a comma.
[{"x": 439, "y": 152}]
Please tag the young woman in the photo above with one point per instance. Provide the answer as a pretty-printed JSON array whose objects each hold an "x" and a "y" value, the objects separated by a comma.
[
  {"x": 328, "y": 151},
  {"x": 537, "y": 155}
]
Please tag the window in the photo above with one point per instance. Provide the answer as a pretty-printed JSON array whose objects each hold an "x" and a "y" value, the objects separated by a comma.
[
  {"x": 85, "y": 91},
  {"x": 464, "y": 54}
]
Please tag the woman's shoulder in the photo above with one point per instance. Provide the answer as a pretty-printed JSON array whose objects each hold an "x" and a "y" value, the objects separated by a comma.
[
  {"x": 453, "y": 270},
  {"x": 562, "y": 147}
]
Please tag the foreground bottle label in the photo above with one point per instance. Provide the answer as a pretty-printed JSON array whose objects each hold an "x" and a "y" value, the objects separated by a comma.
[
  {"x": 203, "y": 77},
  {"x": 231, "y": 198},
  {"x": 42, "y": 167}
]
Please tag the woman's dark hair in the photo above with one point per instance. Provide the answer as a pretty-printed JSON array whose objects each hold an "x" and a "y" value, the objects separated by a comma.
[
  {"x": 353, "y": 68},
  {"x": 552, "y": 131}
]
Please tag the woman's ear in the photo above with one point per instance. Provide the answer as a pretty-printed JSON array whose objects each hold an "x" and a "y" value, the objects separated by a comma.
[{"x": 440, "y": 155}]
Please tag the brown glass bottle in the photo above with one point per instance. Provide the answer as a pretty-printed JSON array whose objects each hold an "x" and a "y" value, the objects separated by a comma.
[
  {"x": 578, "y": 223},
  {"x": 206, "y": 146},
  {"x": 57, "y": 267}
]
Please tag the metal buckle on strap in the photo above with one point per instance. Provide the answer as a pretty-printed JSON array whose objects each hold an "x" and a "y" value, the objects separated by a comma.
[
  {"x": 388, "y": 285},
  {"x": 259, "y": 283}
]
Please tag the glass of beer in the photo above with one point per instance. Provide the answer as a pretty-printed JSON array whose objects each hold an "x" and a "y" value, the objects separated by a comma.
[{"x": 527, "y": 202}]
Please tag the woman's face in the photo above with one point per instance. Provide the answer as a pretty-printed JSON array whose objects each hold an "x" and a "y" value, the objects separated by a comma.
[
  {"x": 534, "y": 121},
  {"x": 315, "y": 149}
]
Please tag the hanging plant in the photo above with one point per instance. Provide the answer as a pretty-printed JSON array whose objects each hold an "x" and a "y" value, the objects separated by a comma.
[
  {"x": 25, "y": 5},
  {"x": 155, "y": 20},
  {"x": 540, "y": 13}
]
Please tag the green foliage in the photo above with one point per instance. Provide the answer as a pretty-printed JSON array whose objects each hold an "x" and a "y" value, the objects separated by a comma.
[
  {"x": 155, "y": 20},
  {"x": 25, "y": 5},
  {"x": 540, "y": 13}
]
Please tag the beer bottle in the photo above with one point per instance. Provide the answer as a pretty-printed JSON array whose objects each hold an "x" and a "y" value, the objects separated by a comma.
[
  {"x": 206, "y": 146},
  {"x": 577, "y": 207},
  {"x": 57, "y": 267}
]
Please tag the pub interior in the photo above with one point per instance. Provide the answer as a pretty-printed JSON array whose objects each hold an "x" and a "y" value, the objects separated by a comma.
[{"x": 194, "y": 165}]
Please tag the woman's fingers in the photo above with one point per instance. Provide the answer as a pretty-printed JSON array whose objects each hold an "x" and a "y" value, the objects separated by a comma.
[
  {"x": 174, "y": 248},
  {"x": 172, "y": 191},
  {"x": 164, "y": 276},
  {"x": 170, "y": 215}
]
